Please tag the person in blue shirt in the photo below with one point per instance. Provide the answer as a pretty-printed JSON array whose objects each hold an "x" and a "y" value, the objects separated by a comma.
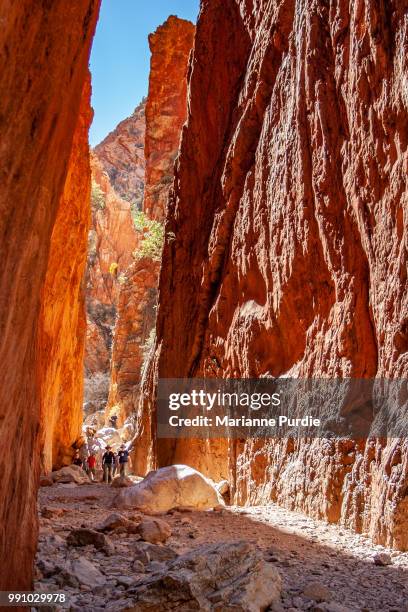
[{"x": 123, "y": 456}]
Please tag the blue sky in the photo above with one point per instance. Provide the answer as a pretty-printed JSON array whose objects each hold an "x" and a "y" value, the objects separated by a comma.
[{"x": 120, "y": 56}]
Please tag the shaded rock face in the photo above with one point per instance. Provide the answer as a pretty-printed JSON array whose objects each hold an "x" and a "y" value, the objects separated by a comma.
[
  {"x": 44, "y": 53},
  {"x": 63, "y": 322},
  {"x": 286, "y": 250},
  {"x": 166, "y": 109},
  {"x": 121, "y": 155}
]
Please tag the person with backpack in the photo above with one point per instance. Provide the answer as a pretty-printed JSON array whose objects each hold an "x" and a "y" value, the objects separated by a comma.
[
  {"x": 123, "y": 456},
  {"x": 108, "y": 461}
]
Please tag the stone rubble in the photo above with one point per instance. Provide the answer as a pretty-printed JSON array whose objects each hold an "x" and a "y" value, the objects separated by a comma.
[{"x": 322, "y": 568}]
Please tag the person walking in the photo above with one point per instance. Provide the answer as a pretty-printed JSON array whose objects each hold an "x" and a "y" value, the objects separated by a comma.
[
  {"x": 77, "y": 459},
  {"x": 92, "y": 466},
  {"x": 108, "y": 460},
  {"x": 123, "y": 455},
  {"x": 115, "y": 465}
]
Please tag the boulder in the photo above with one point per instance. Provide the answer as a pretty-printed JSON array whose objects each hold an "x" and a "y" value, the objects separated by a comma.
[
  {"x": 222, "y": 487},
  {"x": 382, "y": 559},
  {"x": 109, "y": 435},
  {"x": 145, "y": 553},
  {"x": 49, "y": 512},
  {"x": 122, "y": 481},
  {"x": 70, "y": 474},
  {"x": 117, "y": 521},
  {"x": 175, "y": 486},
  {"x": 95, "y": 421},
  {"x": 317, "y": 591},
  {"x": 81, "y": 571},
  {"x": 89, "y": 537},
  {"x": 154, "y": 530},
  {"x": 46, "y": 481},
  {"x": 222, "y": 576}
]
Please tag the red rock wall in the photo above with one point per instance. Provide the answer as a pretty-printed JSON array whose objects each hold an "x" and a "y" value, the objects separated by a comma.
[
  {"x": 62, "y": 321},
  {"x": 113, "y": 239},
  {"x": 289, "y": 256},
  {"x": 44, "y": 53},
  {"x": 166, "y": 109},
  {"x": 121, "y": 154},
  {"x": 135, "y": 323}
]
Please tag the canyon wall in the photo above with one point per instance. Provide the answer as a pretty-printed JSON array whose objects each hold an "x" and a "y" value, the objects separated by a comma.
[
  {"x": 112, "y": 241},
  {"x": 286, "y": 241},
  {"x": 121, "y": 155},
  {"x": 62, "y": 327},
  {"x": 166, "y": 107},
  {"x": 44, "y": 53}
]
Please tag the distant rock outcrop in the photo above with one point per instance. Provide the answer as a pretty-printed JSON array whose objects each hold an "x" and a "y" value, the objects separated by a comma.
[
  {"x": 121, "y": 155},
  {"x": 166, "y": 109}
]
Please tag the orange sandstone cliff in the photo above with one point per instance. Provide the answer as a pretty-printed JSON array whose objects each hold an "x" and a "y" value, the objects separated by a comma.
[
  {"x": 166, "y": 110},
  {"x": 112, "y": 240},
  {"x": 44, "y": 52},
  {"x": 121, "y": 155},
  {"x": 63, "y": 323},
  {"x": 286, "y": 248},
  {"x": 166, "y": 107}
]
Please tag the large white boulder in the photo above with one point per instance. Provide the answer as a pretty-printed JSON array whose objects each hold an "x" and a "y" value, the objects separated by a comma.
[
  {"x": 175, "y": 486},
  {"x": 109, "y": 435}
]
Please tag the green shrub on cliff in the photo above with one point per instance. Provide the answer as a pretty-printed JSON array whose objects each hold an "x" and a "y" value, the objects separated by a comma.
[
  {"x": 97, "y": 196},
  {"x": 152, "y": 232}
]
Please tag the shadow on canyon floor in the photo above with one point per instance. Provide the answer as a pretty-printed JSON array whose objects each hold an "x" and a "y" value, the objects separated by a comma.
[{"x": 304, "y": 551}]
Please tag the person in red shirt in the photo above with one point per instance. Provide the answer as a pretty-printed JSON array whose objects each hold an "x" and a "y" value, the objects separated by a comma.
[{"x": 92, "y": 466}]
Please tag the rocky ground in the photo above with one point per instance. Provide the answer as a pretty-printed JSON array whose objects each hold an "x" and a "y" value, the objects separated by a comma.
[{"x": 323, "y": 568}]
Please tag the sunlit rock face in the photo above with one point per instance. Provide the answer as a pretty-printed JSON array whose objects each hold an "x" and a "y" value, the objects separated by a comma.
[
  {"x": 121, "y": 155},
  {"x": 287, "y": 234},
  {"x": 44, "y": 53},
  {"x": 133, "y": 336},
  {"x": 112, "y": 242},
  {"x": 63, "y": 322},
  {"x": 166, "y": 108}
]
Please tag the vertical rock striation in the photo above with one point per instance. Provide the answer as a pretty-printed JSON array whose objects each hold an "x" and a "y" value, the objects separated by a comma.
[
  {"x": 62, "y": 322},
  {"x": 286, "y": 249},
  {"x": 44, "y": 52},
  {"x": 166, "y": 108}
]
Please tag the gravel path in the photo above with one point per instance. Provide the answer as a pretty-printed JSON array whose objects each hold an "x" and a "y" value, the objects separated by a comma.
[{"x": 309, "y": 554}]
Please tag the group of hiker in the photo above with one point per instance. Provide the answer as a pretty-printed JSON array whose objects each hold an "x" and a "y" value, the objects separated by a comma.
[{"x": 112, "y": 463}]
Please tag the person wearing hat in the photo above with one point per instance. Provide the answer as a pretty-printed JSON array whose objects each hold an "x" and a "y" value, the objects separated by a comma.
[
  {"x": 123, "y": 455},
  {"x": 108, "y": 461}
]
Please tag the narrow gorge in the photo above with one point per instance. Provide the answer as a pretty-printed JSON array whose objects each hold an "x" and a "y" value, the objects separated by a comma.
[{"x": 247, "y": 221}]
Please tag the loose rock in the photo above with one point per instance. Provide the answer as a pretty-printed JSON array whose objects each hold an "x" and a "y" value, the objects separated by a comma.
[
  {"x": 154, "y": 530},
  {"x": 228, "y": 575},
  {"x": 382, "y": 559},
  {"x": 86, "y": 537}
]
